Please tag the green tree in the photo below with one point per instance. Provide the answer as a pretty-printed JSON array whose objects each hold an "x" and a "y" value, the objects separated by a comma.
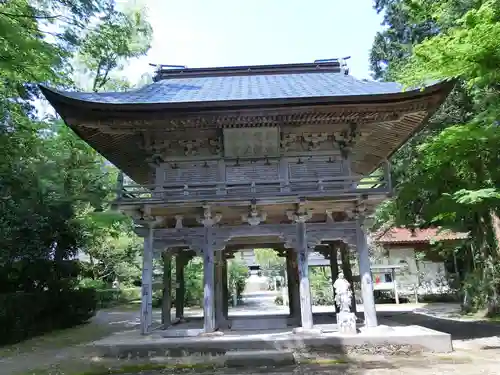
[
  {"x": 269, "y": 261},
  {"x": 53, "y": 184},
  {"x": 450, "y": 175}
]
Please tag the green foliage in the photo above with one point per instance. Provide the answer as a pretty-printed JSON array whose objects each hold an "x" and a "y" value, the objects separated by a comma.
[
  {"x": 448, "y": 174},
  {"x": 55, "y": 189},
  {"x": 270, "y": 263},
  {"x": 194, "y": 287},
  {"x": 38, "y": 275},
  {"x": 92, "y": 283},
  {"x": 321, "y": 287},
  {"x": 193, "y": 276},
  {"x": 107, "y": 47},
  {"x": 24, "y": 315},
  {"x": 237, "y": 276},
  {"x": 116, "y": 297}
]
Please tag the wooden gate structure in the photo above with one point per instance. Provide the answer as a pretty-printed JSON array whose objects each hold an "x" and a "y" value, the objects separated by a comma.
[{"x": 291, "y": 157}]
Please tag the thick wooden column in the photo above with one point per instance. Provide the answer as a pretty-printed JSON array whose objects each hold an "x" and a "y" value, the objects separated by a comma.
[
  {"x": 370, "y": 312},
  {"x": 293, "y": 286},
  {"x": 208, "y": 222},
  {"x": 147, "y": 279},
  {"x": 166, "y": 305},
  {"x": 347, "y": 271},
  {"x": 225, "y": 289},
  {"x": 180, "y": 263},
  {"x": 219, "y": 290},
  {"x": 289, "y": 270},
  {"x": 334, "y": 270},
  {"x": 208, "y": 281},
  {"x": 303, "y": 265}
]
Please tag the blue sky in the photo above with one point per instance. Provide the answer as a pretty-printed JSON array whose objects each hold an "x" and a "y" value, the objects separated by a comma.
[{"x": 205, "y": 33}]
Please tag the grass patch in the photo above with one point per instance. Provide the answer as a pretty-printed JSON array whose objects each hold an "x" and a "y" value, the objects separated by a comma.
[
  {"x": 58, "y": 339},
  {"x": 480, "y": 315},
  {"x": 323, "y": 361},
  {"x": 117, "y": 368}
]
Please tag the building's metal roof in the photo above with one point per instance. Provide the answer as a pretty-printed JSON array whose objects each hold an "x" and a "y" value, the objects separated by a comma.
[
  {"x": 220, "y": 88},
  {"x": 428, "y": 235}
]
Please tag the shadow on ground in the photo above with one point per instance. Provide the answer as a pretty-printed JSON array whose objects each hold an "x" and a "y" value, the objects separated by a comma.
[{"x": 459, "y": 330}]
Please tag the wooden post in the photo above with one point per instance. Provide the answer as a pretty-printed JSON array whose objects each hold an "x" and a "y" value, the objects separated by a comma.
[
  {"x": 395, "y": 284},
  {"x": 304, "y": 287},
  {"x": 147, "y": 278},
  {"x": 334, "y": 270},
  {"x": 346, "y": 269},
  {"x": 219, "y": 290},
  {"x": 180, "y": 263},
  {"x": 370, "y": 312},
  {"x": 208, "y": 278},
  {"x": 293, "y": 287},
  {"x": 289, "y": 279},
  {"x": 225, "y": 290},
  {"x": 119, "y": 186},
  {"x": 166, "y": 305}
]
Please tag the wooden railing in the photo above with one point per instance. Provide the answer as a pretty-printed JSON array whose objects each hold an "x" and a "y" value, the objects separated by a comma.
[{"x": 327, "y": 187}]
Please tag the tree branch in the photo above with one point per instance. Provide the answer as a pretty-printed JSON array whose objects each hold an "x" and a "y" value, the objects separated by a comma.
[{"x": 11, "y": 15}]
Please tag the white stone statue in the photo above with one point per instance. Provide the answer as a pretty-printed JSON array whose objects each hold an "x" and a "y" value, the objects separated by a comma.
[
  {"x": 343, "y": 294},
  {"x": 346, "y": 320}
]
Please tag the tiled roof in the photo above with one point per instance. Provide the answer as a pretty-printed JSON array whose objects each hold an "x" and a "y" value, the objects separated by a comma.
[
  {"x": 243, "y": 87},
  {"x": 403, "y": 235}
]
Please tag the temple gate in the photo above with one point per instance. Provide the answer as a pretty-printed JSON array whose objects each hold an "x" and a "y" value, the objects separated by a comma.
[{"x": 292, "y": 157}]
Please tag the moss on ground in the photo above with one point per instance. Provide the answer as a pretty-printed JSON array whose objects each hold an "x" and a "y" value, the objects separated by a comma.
[{"x": 118, "y": 368}]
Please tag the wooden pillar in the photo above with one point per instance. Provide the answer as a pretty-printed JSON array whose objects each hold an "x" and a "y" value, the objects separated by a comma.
[
  {"x": 289, "y": 270},
  {"x": 334, "y": 270},
  {"x": 347, "y": 271},
  {"x": 395, "y": 284},
  {"x": 166, "y": 305},
  {"x": 303, "y": 265},
  {"x": 180, "y": 263},
  {"x": 208, "y": 281},
  {"x": 147, "y": 279},
  {"x": 219, "y": 290},
  {"x": 370, "y": 312},
  {"x": 293, "y": 286},
  {"x": 225, "y": 289}
]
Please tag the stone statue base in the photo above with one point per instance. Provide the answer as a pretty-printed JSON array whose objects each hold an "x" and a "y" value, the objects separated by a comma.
[{"x": 346, "y": 322}]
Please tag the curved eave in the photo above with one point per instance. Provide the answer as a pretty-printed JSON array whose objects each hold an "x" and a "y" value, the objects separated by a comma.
[{"x": 57, "y": 98}]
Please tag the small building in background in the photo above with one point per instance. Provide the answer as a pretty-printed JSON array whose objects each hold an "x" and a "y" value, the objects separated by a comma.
[{"x": 418, "y": 262}]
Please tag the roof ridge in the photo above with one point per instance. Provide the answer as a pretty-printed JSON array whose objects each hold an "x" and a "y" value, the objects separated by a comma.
[{"x": 166, "y": 72}]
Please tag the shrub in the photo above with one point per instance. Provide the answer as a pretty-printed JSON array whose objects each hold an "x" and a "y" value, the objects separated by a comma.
[
  {"x": 439, "y": 297},
  {"x": 237, "y": 278},
  {"x": 24, "y": 315},
  {"x": 114, "y": 297},
  {"x": 94, "y": 284},
  {"x": 278, "y": 300},
  {"x": 321, "y": 288}
]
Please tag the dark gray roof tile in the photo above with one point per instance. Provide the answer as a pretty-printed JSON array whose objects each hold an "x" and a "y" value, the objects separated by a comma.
[{"x": 244, "y": 87}]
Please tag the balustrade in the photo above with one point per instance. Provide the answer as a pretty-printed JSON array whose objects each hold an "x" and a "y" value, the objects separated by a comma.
[{"x": 328, "y": 187}]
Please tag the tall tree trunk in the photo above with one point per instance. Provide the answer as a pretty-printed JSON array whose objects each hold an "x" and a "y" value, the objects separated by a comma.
[{"x": 495, "y": 224}]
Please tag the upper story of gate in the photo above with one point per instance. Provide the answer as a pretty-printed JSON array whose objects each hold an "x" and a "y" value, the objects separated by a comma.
[{"x": 253, "y": 132}]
